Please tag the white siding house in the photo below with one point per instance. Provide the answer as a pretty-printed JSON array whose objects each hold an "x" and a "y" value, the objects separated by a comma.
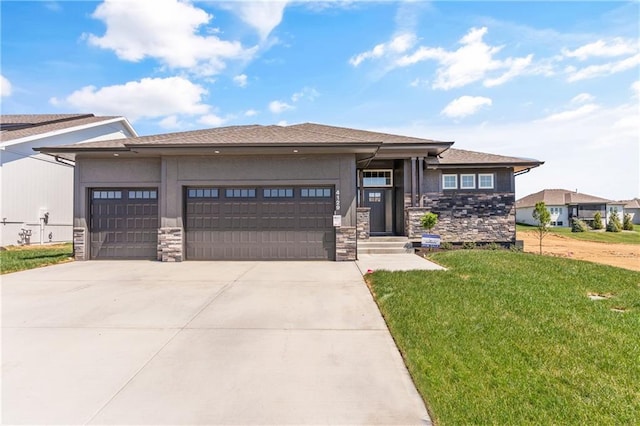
[
  {"x": 565, "y": 206},
  {"x": 36, "y": 190}
]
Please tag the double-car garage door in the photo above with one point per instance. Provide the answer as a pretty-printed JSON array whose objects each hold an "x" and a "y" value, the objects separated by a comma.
[
  {"x": 221, "y": 223},
  {"x": 274, "y": 223}
]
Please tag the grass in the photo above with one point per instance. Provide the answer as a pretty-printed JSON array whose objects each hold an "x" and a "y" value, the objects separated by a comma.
[
  {"x": 624, "y": 237},
  {"x": 16, "y": 258},
  {"x": 512, "y": 338}
]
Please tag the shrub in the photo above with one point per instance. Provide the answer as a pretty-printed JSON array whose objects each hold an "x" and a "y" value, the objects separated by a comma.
[
  {"x": 627, "y": 225},
  {"x": 614, "y": 224},
  {"x": 579, "y": 226},
  {"x": 445, "y": 245},
  {"x": 469, "y": 245},
  {"x": 492, "y": 246},
  {"x": 428, "y": 220},
  {"x": 597, "y": 221}
]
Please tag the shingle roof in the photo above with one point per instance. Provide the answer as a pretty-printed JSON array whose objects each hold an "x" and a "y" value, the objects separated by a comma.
[
  {"x": 21, "y": 126},
  {"x": 560, "y": 197},
  {"x": 631, "y": 204},
  {"x": 455, "y": 156},
  {"x": 363, "y": 135}
]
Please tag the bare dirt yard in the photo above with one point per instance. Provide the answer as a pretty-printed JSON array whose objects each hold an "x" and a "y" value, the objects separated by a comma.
[{"x": 621, "y": 255}]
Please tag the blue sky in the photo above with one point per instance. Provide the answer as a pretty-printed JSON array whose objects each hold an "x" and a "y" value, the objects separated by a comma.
[{"x": 555, "y": 81}]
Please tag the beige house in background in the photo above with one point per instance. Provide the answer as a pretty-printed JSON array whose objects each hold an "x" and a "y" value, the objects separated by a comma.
[{"x": 565, "y": 205}]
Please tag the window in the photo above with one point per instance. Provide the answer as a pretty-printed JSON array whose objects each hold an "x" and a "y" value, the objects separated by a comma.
[
  {"x": 278, "y": 193},
  {"x": 485, "y": 181},
  {"x": 107, "y": 195},
  {"x": 449, "y": 181},
  {"x": 143, "y": 195},
  {"x": 377, "y": 178},
  {"x": 560, "y": 223},
  {"x": 240, "y": 193},
  {"x": 468, "y": 181},
  {"x": 375, "y": 197},
  {"x": 315, "y": 192},
  {"x": 202, "y": 192}
]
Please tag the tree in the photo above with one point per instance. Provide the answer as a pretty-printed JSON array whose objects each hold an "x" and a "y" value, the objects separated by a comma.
[
  {"x": 543, "y": 217},
  {"x": 627, "y": 224},
  {"x": 597, "y": 221},
  {"x": 614, "y": 224},
  {"x": 429, "y": 220}
]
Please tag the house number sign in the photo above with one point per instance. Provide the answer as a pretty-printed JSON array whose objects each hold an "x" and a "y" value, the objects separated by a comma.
[{"x": 337, "y": 201}]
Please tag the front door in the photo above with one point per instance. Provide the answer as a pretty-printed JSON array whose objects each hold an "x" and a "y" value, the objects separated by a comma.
[{"x": 375, "y": 199}]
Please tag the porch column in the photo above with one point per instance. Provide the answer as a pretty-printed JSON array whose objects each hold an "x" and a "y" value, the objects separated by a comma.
[
  {"x": 413, "y": 181},
  {"x": 361, "y": 187},
  {"x": 420, "y": 178}
]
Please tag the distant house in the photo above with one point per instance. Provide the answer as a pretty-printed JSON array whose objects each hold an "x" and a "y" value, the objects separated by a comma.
[
  {"x": 565, "y": 205},
  {"x": 36, "y": 190},
  {"x": 633, "y": 208}
]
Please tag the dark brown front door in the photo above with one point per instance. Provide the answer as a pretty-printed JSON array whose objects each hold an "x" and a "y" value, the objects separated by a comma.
[
  {"x": 375, "y": 199},
  {"x": 266, "y": 223},
  {"x": 124, "y": 223}
]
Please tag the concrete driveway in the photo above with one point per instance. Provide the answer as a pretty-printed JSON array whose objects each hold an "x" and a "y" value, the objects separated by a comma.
[{"x": 137, "y": 342}]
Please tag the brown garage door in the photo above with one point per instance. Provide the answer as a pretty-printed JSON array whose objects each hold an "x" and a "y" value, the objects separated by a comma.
[
  {"x": 124, "y": 223},
  {"x": 266, "y": 223}
]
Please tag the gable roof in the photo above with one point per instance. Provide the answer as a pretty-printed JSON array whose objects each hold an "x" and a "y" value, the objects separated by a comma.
[
  {"x": 21, "y": 127},
  {"x": 561, "y": 197},
  {"x": 631, "y": 204}
]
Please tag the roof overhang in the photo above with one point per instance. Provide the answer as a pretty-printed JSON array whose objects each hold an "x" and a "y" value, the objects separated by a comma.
[{"x": 409, "y": 150}]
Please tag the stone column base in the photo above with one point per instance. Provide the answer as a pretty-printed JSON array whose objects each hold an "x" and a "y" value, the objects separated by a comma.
[
  {"x": 170, "y": 246},
  {"x": 346, "y": 245},
  {"x": 79, "y": 244},
  {"x": 363, "y": 222}
]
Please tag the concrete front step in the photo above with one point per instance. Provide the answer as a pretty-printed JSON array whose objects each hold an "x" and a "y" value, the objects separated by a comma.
[
  {"x": 384, "y": 250},
  {"x": 385, "y": 245}
]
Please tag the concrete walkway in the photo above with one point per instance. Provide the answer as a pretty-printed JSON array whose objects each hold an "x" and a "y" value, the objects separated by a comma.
[
  {"x": 199, "y": 343},
  {"x": 395, "y": 262}
]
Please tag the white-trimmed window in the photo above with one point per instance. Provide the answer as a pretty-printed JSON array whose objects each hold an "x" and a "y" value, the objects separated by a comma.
[
  {"x": 485, "y": 181},
  {"x": 449, "y": 181},
  {"x": 468, "y": 181},
  {"x": 377, "y": 178}
]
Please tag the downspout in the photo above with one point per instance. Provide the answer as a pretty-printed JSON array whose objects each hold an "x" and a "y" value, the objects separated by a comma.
[
  {"x": 413, "y": 181},
  {"x": 420, "y": 180},
  {"x": 58, "y": 160}
]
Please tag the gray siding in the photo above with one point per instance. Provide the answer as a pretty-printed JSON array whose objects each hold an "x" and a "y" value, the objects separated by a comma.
[{"x": 503, "y": 180}]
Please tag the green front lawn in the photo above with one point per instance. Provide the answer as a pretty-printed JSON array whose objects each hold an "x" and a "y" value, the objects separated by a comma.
[
  {"x": 15, "y": 259},
  {"x": 513, "y": 338},
  {"x": 626, "y": 237}
]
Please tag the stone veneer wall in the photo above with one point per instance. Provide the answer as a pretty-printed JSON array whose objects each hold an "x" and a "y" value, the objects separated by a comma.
[
  {"x": 79, "y": 252},
  {"x": 462, "y": 217},
  {"x": 363, "y": 222},
  {"x": 346, "y": 245},
  {"x": 170, "y": 244}
]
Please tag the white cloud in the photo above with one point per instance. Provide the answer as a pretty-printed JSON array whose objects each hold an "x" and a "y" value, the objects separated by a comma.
[
  {"x": 171, "y": 122},
  {"x": 399, "y": 44},
  {"x": 419, "y": 82},
  {"x": 473, "y": 61},
  {"x": 601, "y": 48},
  {"x": 572, "y": 114},
  {"x": 262, "y": 15},
  {"x": 5, "y": 86},
  {"x": 601, "y": 70},
  {"x": 308, "y": 93},
  {"x": 465, "y": 105},
  {"x": 240, "y": 80},
  {"x": 635, "y": 88},
  {"x": 250, "y": 112},
  {"x": 166, "y": 30},
  {"x": 278, "y": 107},
  {"x": 212, "y": 120},
  {"x": 149, "y": 97},
  {"x": 282, "y": 123},
  {"x": 582, "y": 98}
]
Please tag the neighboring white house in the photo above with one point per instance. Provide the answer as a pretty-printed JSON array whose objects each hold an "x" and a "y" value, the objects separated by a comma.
[
  {"x": 36, "y": 190},
  {"x": 633, "y": 208},
  {"x": 565, "y": 205}
]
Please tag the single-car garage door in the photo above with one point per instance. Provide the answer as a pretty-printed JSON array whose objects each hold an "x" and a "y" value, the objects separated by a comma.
[
  {"x": 124, "y": 223},
  {"x": 265, "y": 223}
]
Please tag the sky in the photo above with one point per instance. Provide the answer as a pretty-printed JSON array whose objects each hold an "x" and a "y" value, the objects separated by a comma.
[{"x": 554, "y": 81}]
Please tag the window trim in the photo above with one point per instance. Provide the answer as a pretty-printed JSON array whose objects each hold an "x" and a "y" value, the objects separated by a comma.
[
  {"x": 493, "y": 180},
  {"x": 462, "y": 176},
  {"x": 384, "y": 171},
  {"x": 444, "y": 176}
]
